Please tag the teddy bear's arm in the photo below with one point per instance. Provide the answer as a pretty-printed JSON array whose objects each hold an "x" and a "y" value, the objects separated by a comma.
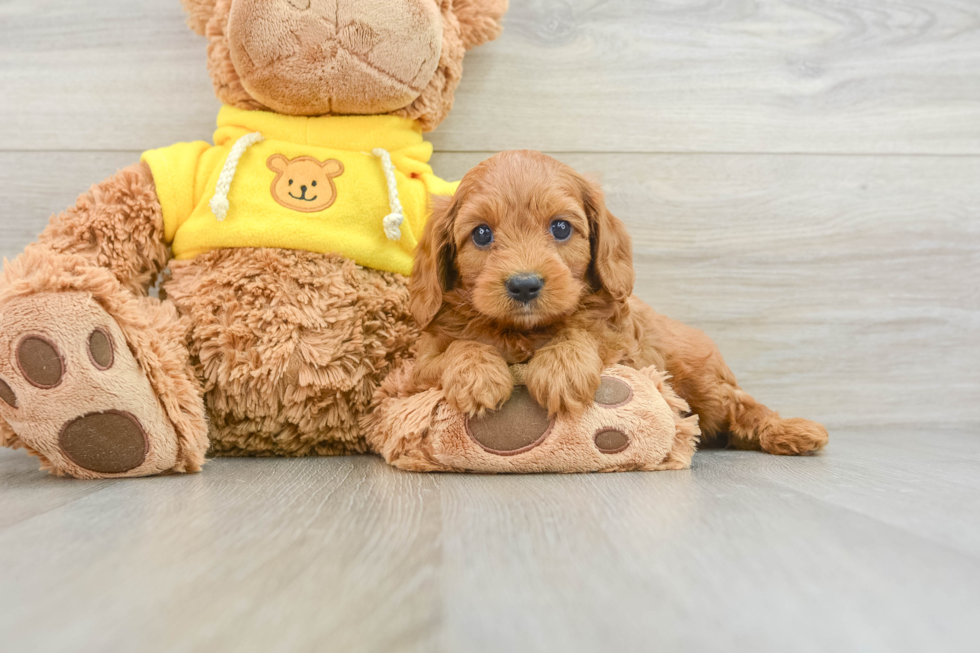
[
  {"x": 95, "y": 374},
  {"x": 118, "y": 225}
]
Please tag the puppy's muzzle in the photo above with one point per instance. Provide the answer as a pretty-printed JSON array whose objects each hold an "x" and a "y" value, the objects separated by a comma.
[{"x": 524, "y": 287}]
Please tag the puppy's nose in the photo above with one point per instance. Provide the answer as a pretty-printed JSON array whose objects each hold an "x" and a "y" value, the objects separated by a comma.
[
  {"x": 303, "y": 189},
  {"x": 524, "y": 287}
]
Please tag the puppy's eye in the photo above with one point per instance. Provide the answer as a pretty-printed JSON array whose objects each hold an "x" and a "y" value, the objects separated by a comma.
[
  {"x": 314, "y": 184},
  {"x": 290, "y": 182},
  {"x": 482, "y": 236},
  {"x": 561, "y": 230}
]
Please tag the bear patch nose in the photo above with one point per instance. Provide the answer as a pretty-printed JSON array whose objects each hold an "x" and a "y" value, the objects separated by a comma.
[
  {"x": 524, "y": 287},
  {"x": 303, "y": 189}
]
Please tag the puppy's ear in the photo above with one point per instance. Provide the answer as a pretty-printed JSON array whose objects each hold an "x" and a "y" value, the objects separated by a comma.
[
  {"x": 434, "y": 269},
  {"x": 198, "y": 13},
  {"x": 479, "y": 20},
  {"x": 612, "y": 248}
]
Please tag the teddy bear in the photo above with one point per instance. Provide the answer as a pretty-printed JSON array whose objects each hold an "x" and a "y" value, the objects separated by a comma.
[
  {"x": 281, "y": 250},
  {"x": 282, "y": 325}
]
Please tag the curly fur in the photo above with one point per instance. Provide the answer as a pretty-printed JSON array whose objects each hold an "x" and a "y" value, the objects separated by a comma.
[
  {"x": 291, "y": 346},
  {"x": 687, "y": 430},
  {"x": 585, "y": 318},
  {"x": 116, "y": 225}
]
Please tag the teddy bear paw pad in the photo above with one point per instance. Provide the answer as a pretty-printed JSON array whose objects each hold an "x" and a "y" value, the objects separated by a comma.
[
  {"x": 40, "y": 362},
  {"x": 613, "y": 393},
  {"x": 630, "y": 426},
  {"x": 7, "y": 394},
  {"x": 610, "y": 441},
  {"x": 519, "y": 425},
  {"x": 112, "y": 442},
  {"x": 72, "y": 390}
]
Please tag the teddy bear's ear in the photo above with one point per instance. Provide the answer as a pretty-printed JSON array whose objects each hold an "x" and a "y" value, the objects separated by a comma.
[
  {"x": 479, "y": 20},
  {"x": 198, "y": 13},
  {"x": 332, "y": 168},
  {"x": 277, "y": 163}
]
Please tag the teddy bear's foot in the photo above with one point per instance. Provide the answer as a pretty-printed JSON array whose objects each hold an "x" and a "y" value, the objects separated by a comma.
[
  {"x": 72, "y": 391},
  {"x": 635, "y": 423},
  {"x": 628, "y": 427}
]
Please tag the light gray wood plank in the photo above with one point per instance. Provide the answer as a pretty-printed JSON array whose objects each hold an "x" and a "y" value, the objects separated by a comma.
[
  {"x": 568, "y": 75},
  {"x": 37, "y": 185},
  {"x": 706, "y": 560},
  {"x": 926, "y": 482},
  {"x": 743, "y": 552},
  {"x": 119, "y": 74},
  {"x": 839, "y": 288},
  {"x": 263, "y": 555},
  {"x": 26, "y": 493}
]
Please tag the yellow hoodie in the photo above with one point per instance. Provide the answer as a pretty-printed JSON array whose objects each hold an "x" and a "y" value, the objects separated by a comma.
[{"x": 354, "y": 185}]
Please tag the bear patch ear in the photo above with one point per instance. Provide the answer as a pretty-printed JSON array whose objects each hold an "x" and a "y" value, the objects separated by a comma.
[
  {"x": 277, "y": 163},
  {"x": 479, "y": 20},
  {"x": 198, "y": 13},
  {"x": 332, "y": 168}
]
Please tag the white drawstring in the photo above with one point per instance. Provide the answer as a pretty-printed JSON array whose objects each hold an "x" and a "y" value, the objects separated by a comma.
[
  {"x": 393, "y": 221},
  {"x": 219, "y": 203}
]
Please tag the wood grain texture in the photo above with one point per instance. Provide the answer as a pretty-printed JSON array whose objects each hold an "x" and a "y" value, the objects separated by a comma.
[
  {"x": 568, "y": 75},
  {"x": 842, "y": 552}
]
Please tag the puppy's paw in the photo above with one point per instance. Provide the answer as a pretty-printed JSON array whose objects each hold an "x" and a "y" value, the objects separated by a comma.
[
  {"x": 564, "y": 379},
  {"x": 477, "y": 381},
  {"x": 793, "y": 437}
]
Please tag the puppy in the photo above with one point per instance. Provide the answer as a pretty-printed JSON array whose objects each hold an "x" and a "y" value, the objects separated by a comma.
[{"x": 526, "y": 265}]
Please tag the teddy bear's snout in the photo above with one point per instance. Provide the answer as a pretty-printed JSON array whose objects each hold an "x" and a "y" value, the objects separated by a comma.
[{"x": 310, "y": 57}]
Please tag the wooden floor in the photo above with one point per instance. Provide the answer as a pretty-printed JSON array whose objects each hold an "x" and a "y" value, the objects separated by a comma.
[
  {"x": 802, "y": 180},
  {"x": 874, "y": 546}
]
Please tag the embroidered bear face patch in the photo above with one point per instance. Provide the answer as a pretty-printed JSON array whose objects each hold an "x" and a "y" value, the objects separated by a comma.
[{"x": 304, "y": 184}]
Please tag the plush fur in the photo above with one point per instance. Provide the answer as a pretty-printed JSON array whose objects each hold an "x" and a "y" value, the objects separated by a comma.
[
  {"x": 117, "y": 225},
  {"x": 110, "y": 246},
  {"x": 290, "y": 346},
  {"x": 294, "y": 88},
  {"x": 283, "y": 350},
  {"x": 584, "y": 320},
  {"x": 40, "y": 278}
]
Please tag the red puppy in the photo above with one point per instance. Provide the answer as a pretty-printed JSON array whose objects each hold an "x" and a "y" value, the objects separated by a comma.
[{"x": 526, "y": 265}]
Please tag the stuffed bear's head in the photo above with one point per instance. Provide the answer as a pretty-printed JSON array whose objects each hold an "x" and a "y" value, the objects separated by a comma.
[
  {"x": 304, "y": 184},
  {"x": 335, "y": 57}
]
